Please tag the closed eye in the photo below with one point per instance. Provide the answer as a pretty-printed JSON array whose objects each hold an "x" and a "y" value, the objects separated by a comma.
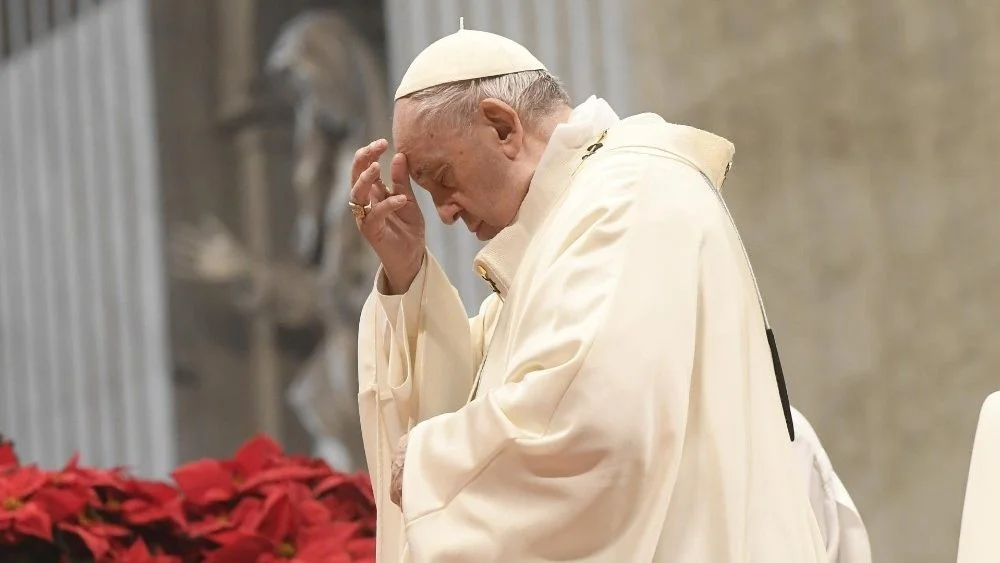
[{"x": 445, "y": 179}]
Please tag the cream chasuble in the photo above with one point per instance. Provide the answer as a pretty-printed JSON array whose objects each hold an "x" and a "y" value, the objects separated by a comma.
[{"x": 625, "y": 407}]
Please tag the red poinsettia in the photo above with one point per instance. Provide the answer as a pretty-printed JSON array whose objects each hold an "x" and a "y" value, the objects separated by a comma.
[
  {"x": 260, "y": 506},
  {"x": 97, "y": 535},
  {"x": 348, "y": 498},
  {"x": 259, "y": 462},
  {"x": 8, "y": 459},
  {"x": 290, "y": 524},
  {"x": 20, "y": 515},
  {"x": 221, "y": 527},
  {"x": 138, "y": 552},
  {"x": 75, "y": 475},
  {"x": 150, "y": 502}
]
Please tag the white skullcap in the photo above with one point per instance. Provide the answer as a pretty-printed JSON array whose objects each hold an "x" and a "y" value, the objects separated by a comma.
[{"x": 465, "y": 55}]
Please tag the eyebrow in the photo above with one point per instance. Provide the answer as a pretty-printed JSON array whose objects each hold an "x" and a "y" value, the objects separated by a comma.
[
  {"x": 420, "y": 172},
  {"x": 425, "y": 168}
]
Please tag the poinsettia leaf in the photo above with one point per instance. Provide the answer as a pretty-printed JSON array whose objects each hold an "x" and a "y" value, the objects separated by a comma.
[
  {"x": 247, "y": 548},
  {"x": 61, "y": 504},
  {"x": 23, "y": 482},
  {"x": 256, "y": 453},
  {"x": 31, "y": 520},
  {"x": 8, "y": 458},
  {"x": 280, "y": 474},
  {"x": 363, "y": 484},
  {"x": 361, "y": 548},
  {"x": 98, "y": 545},
  {"x": 326, "y": 542},
  {"x": 275, "y": 519},
  {"x": 204, "y": 482},
  {"x": 330, "y": 483}
]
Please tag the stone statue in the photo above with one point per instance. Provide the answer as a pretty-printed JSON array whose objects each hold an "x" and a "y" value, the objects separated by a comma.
[{"x": 337, "y": 86}]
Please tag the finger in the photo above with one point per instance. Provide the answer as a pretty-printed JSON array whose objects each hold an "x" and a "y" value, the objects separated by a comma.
[
  {"x": 384, "y": 209},
  {"x": 396, "y": 486},
  {"x": 378, "y": 191},
  {"x": 400, "y": 173},
  {"x": 363, "y": 185},
  {"x": 366, "y": 155}
]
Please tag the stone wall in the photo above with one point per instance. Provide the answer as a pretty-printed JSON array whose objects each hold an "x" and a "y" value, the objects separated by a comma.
[{"x": 864, "y": 185}]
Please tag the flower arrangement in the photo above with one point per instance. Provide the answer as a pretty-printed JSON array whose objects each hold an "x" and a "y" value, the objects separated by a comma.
[{"x": 260, "y": 506}]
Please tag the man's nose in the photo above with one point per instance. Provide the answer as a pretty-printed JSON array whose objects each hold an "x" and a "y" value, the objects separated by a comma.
[{"x": 448, "y": 213}]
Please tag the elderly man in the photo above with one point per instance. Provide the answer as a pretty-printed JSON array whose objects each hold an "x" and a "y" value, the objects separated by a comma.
[{"x": 615, "y": 398}]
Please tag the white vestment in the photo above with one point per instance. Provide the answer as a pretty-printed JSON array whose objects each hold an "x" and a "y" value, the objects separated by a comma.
[
  {"x": 839, "y": 521},
  {"x": 978, "y": 541},
  {"x": 625, "y": 402}
]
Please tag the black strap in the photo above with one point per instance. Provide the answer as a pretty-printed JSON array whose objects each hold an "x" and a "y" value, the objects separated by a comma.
[{"x": 782, "y": 389}]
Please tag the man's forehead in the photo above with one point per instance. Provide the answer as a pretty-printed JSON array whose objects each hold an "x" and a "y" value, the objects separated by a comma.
[
  {"x": 403, "y": 141},
  {"x": 403, "y": 122},
  {"x": 422, "y": 158}
]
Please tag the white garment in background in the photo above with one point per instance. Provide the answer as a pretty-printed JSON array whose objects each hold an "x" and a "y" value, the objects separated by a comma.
[
  {"x": 979, "y": 541},
  {"x": 839, "y": 520}
]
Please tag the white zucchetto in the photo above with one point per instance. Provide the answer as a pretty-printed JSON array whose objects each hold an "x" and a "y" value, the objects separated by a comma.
[{"x": 465, "y": 55}]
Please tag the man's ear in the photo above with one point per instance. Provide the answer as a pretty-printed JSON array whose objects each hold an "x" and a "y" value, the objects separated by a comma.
[{"x": 505, "y": 122}]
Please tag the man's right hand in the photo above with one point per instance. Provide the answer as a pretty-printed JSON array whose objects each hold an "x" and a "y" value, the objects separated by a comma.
[{"x": 394, "y": 226}]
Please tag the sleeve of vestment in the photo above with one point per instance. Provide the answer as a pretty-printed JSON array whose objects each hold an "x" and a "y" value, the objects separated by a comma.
[
  {"x": 416, "y": 354},
  {"x": 596, "y": 388}
]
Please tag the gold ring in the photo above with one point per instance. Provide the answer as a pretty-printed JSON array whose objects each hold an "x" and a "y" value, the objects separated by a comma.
[{"x": 358, "y": 210}]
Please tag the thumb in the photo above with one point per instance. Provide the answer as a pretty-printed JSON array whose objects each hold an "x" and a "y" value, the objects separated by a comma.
[{"x": 387, "y": 207}]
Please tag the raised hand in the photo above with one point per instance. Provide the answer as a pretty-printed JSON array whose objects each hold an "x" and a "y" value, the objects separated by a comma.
[{"x": 390, "y": 220}]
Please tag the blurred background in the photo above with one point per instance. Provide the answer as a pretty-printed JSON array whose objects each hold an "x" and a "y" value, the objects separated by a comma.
[{"x": 172, "y": 279}]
